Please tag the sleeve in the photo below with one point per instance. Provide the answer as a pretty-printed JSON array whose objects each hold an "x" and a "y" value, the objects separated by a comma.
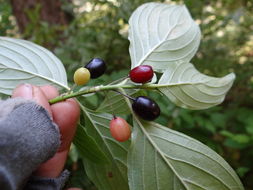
[
  {"x": 39, "y": 183},
  {"x": 28, "y": 137}
]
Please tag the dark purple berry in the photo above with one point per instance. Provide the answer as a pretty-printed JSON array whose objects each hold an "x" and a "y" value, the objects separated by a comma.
[
  {"x": 146, "y": 108},
  {"x": 96, "y": 67},
  {"x": 141, "y": 74}
]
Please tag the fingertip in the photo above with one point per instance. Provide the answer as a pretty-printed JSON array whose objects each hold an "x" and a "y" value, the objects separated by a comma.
[
  {"x": 75, "y": 105},
  {"x": 23, "y": 90},
  {"x": 30, "y": 92},
  {"x": 69, "y": 110},
  {"x": 41, "y": 99},
  {"x": 50, "y": 91}
]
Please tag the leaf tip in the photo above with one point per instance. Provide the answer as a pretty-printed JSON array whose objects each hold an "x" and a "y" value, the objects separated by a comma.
[{"x": 229, "y": 78}]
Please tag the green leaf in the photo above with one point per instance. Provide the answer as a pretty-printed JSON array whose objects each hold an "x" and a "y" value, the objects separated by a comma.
[
  {"x": 87, "y": 146},
  {"x": 218, "y": 119},
  {"x": 227, "y": 134},
  {"x": 242, "y": 138},
  {"x": 22, "y": 61},
  {"x": 113, "y": 175},
  {"x": 249, "y": 128},
  {"x": 234, "y": 144},
  {"x": 188, "y": 88},
  {"x": 242, "y": 171},
  {"x": 73, "y": 153},
  {"x": 161, "y": 35},
  {"x": 116, "y": 103},
  {"x": 160, "y": 158},
  {"x": 113, "y": 103}
]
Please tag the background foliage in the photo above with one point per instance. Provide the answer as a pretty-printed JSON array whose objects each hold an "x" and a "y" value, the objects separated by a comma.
[{"x": 98, "y": 28}]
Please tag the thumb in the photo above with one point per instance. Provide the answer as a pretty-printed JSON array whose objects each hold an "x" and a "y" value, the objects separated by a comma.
[{"x": 30, "y": 92}]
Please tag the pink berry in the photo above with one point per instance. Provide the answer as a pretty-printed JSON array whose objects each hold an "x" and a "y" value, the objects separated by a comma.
[{"x": 120, "y": 129}]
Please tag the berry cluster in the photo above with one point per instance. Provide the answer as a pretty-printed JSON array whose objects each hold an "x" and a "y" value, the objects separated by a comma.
[
  {"x": 143, "y": 106},
  {"x": 94, "y": 69}
]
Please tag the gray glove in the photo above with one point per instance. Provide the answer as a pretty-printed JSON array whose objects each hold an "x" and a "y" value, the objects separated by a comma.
[{"x": 28, "y": 137}]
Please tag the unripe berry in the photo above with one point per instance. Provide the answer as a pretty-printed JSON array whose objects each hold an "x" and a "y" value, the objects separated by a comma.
[
  {"x": 146, "y": 108},
  {"x": 120, "y": 129},
  {"x": 96, "y": 67},
  {"x": 141, "y": 74},
  {"x": 81, "y": 76}
]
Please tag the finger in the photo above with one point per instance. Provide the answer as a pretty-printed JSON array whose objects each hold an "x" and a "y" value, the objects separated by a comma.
[
  {"x": 50, "y": 91},
  {"x": 24, "y": 90},
  {"x": 66, "y": 115},
  {"x": 54, "y": 166},
  {"x": 41, "y": 99},
  {"x": 28, "y": 91}
]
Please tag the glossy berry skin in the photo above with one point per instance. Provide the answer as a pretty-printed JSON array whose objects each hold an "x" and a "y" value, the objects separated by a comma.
[
  {"x": 146, "y": 108},
  {"x": 81, "y": 76},
  {"x": 141, "y": 74},
  {"x": 120, "y": 129},
  {"x": 96, "y": 67}
]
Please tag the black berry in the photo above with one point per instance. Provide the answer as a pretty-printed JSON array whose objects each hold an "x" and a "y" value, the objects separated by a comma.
[
  {"x": 96, "y": 67},
  {"x": 146, "y": 108},
  {"x": 141, "y": 74}
]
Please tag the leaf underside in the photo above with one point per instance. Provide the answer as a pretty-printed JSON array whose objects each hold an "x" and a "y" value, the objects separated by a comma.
[
  {"x": 162, "y": 34},
  {"x": 22, "y": 61},
  {"x": 192, "y": 89},
  {"x": 162, "y": 159}
]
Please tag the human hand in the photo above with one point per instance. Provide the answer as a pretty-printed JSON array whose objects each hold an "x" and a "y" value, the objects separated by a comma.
[{"x": 65, "y": 114}]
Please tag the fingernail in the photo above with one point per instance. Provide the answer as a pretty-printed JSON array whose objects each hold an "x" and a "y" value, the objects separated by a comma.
[
  {"x": 24, "y": 91},
  {"x": 28, "y": 91}
]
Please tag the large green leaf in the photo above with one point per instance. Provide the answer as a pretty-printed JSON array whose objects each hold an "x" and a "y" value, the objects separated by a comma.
[
  {"x": 87, "y": 146},
  {"x": 113, "y": 175},
  {"x": 188, "y": 88},
  {"x": 161, "y": 35},
  {"x": 22, "y": 61},
  {"x": 160, "y": 158}
]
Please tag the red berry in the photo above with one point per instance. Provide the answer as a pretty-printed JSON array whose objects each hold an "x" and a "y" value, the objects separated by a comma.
[
  {"x": 141, "y": 74},
  {"x": 120, "y": 129}
]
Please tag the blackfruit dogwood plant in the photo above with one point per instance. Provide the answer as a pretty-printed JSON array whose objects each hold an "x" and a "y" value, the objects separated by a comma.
[{"x": 166, "y": 38}]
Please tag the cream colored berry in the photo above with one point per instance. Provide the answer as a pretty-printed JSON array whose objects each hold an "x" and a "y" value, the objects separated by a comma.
[{"x": 82, "y": 76}]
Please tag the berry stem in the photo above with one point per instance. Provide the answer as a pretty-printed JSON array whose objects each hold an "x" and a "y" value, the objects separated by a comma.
[
  {"x": 71, "y": 89},
  {"x": 129, "y": 97},
  {"x": 112, "y": 87}
]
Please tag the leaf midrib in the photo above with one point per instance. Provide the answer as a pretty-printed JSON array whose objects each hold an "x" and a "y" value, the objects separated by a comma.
[
  {"x": 159, "y": 151},
  {"x": 38, "y": 75},
  {"x": 153, "y": 144},
  {"x": 158, "y": 45},
  {"x": 226, "y": 169},
  {"x": 34, "y": 46}
]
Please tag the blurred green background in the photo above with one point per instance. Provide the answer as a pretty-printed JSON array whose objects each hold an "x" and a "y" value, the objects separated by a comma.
[{"x": 78, "y": 30}]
